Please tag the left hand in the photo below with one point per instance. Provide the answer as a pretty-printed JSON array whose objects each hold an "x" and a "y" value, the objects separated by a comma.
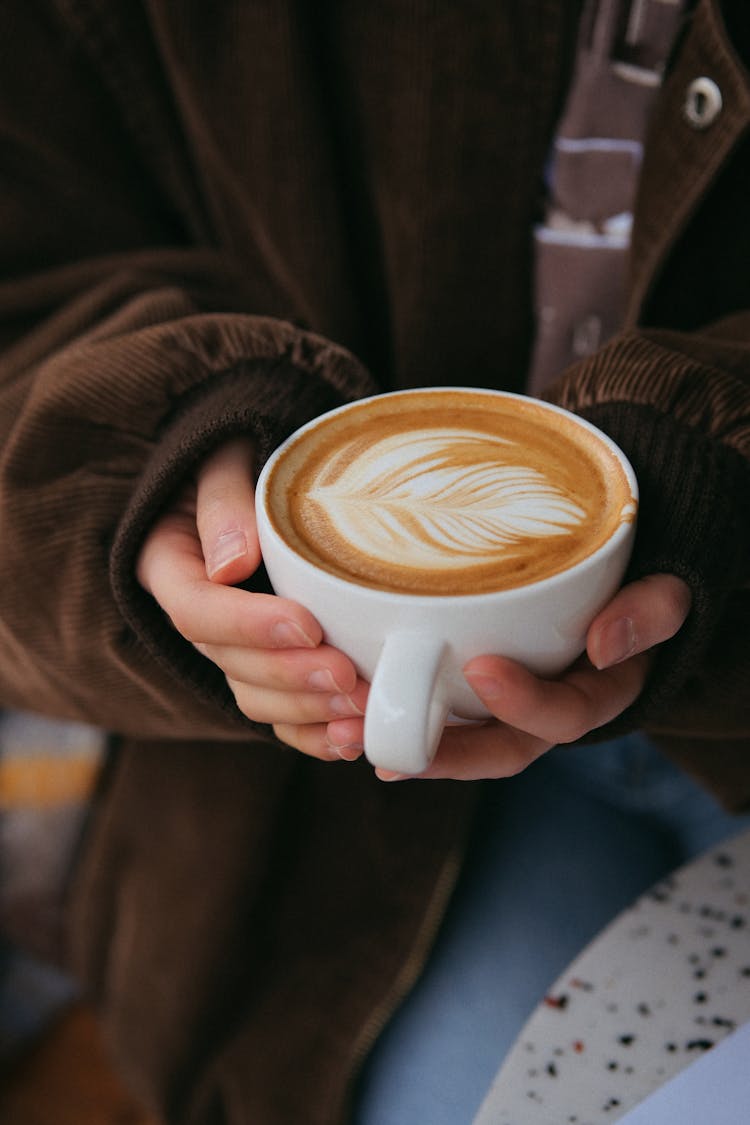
[{"x": 533, "y": 714}]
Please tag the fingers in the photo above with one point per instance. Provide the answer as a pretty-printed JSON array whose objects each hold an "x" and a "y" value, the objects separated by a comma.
[
  {"x": 346, "y": 736},
  {"x": 561, "y": 710},
  {"x": 643, "y": 614},
  {"x": 171, "y": 567},
  {"x": 172, "y": 542},
  {"x": 281, "y": 673},
  {"x": 533, "y": 714},
  {"x": 265, "y": 705},
  {"x": 341, "y": 738},
  {"x": 480, "y": 753},
  {"x": 315, "y": 740},
  {"x": 270, "y": 649},
  {"x": 225, "y": 513},
  {"x": 315, "y": 669}
]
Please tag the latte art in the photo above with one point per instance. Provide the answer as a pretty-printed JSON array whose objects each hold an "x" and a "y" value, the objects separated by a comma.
[
  {"x": 447, "y": 492},
  {"x": 442, "y": 498}
]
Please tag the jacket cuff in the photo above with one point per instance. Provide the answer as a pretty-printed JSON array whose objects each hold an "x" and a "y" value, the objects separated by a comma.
[
  {"x": 263, "y": 399},
  {"x": 693, "y": 522}
]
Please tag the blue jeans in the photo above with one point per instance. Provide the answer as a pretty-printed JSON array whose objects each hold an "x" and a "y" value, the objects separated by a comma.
[{"x": 556, "y": 853}]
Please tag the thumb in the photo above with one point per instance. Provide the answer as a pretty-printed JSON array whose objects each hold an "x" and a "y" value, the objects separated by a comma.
[
  {"x": 643, "y": 614},
  {"x": 225, "y": 513}
]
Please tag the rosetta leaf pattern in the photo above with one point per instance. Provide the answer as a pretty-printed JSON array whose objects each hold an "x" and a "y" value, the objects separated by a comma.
[{"x": 449, "y": 501}]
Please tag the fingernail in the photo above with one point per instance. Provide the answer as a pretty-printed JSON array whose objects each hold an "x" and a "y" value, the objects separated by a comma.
[
  {"x": 228, "y": 547},
  {"x": 617, "y": 642},
  {"x": 322, "y": 680},
  {"x": 342, "y": 705},
  {"x": 288, "y": 634},
  {"x": 387, "y": 775},
  {"x": 348, "y": 753},
  {"x": 486, "y": 686}
]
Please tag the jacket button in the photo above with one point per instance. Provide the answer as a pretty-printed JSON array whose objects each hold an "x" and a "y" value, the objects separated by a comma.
[{"x": 703, "y": 103}]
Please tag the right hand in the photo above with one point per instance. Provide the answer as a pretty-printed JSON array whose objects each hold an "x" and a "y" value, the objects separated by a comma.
[{"x": 270, "y": 649}]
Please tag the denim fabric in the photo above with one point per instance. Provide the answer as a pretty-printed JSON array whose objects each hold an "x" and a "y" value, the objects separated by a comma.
[{"x": 557, "y": 852}]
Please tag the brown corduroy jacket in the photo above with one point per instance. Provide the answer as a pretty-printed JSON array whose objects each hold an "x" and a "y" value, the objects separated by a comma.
[{"x": 226, "y": 218}]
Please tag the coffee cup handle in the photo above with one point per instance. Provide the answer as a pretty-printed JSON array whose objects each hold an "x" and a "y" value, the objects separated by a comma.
[{"x": 406, "y": 708}]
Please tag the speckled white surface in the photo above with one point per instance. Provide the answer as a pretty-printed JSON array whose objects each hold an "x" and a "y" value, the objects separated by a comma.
[{"x": 667, "y": 980}]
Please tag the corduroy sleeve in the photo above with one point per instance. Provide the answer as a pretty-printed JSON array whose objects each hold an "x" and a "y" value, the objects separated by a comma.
[
  {"x": 679, "y": 406},
  {"x": 95, "y": 438},
  {"x": 129, "y": 347}
]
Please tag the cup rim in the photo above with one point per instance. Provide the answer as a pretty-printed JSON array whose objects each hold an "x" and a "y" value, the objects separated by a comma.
[{"x": 624, "y": 530}]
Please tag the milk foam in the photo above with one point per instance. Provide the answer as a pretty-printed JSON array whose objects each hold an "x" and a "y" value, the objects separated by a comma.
[
  {"x": 442, "y": 498},
  {"x": 447, "y": 492}
]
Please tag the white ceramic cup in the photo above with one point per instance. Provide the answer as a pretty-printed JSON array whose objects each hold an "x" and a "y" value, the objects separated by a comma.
[{"x": 412, "y": 647}]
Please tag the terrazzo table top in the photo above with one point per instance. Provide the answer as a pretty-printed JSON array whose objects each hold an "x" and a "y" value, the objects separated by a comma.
[{"x": 661, "y": 985}]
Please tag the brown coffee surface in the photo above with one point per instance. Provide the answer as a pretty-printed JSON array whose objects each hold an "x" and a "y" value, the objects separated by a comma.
[{"x": 448, "y": 492}]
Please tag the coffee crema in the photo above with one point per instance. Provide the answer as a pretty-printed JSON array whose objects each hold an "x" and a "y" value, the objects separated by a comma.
[{"x": 447, "y": 492}]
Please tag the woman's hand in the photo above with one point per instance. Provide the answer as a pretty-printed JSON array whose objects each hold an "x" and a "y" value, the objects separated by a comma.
[
  {"x": 280, "y": 672},
  {"x": 533, "y": 714},
  {"x": 269, "y": 648}
]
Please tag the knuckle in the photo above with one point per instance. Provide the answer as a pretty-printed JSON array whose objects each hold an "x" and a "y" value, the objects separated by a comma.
[
  {"x": 574, "y": 725},
  {"x": 286, "y": 734},
  {"x": 276, "y": 707},
  {"x": 308, "y": 740},
  {"x": 250, "y": 706},
  {"x": 513, "y": 765},
  {"x": 572, "y": 734},
  {"x": 677, "y": 604},
  {"x": 182, "y": 621},
  {"x": 288, "y": 670}
]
